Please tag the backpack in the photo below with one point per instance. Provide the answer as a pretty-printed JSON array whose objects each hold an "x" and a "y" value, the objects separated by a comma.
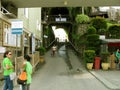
[{"x": 22, "y": 78}]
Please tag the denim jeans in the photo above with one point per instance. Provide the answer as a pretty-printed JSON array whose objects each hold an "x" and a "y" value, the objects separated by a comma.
[
  {"x": 23, "y": 87},
  {"x": 8, "y": 84}
]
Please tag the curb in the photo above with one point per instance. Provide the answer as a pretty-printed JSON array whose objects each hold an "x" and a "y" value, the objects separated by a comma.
[{"x": 104, "y": 81}]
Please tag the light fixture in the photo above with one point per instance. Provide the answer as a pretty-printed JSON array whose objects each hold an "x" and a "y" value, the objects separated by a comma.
[{"x": 65, "y": 2}]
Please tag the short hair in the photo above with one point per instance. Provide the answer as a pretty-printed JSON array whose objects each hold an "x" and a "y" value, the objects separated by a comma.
[{"x": 27, "y": 57}]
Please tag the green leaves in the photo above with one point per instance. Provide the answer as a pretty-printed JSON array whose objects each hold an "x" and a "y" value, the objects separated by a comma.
[
  {"x": 89, "y": 56},
  {"x": 82, "y": 18}
]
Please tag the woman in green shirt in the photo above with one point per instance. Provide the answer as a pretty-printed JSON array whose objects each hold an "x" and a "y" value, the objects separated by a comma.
[
  {"x": 8, "y": 69},
  {"x": 28, "y": 68}
]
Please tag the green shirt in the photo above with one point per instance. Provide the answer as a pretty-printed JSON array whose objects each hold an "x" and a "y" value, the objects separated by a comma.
[
  {"x": 6, "y": 71},
  {"x": 29, "y": 72},
  {"x": 118, "y": 55}
]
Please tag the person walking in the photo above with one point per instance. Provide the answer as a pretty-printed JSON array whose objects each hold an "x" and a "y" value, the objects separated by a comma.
[
  {"x": 28, "y": 68},
  {"x": 8, "y": 69},
  {"x": 53, "y": 50}
]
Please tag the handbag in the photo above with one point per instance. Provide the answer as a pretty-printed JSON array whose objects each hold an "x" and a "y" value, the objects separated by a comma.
[
  {"x": 12, "y": 76},
  {"x": 22, "y": 78}
]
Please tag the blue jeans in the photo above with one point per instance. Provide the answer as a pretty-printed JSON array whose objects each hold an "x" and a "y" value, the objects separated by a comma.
[
  {"x": 23, "y": 87},
  {"x": 8, "y": 84}
]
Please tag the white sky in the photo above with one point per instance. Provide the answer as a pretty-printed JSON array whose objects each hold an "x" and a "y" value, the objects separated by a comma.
[
  {"x": 106, "y": 8},
  {"x": 60, "y": 33}
]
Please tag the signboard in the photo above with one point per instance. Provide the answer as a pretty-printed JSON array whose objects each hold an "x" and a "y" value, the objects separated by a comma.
[{"x": 17, "y": 27}]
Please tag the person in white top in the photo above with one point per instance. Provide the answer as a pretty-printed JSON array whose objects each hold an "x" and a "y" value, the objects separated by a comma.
[{"x": 53, "y": 50}]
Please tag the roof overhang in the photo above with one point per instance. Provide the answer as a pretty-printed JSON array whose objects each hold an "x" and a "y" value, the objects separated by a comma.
[
  {"x": 110, "y": 40},
  {"x": 63, "y": 3}
]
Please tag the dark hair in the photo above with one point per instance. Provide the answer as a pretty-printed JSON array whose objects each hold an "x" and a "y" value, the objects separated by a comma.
[
  {"x": 6, "y": 53},
  {"x": 27, "y": 57}
]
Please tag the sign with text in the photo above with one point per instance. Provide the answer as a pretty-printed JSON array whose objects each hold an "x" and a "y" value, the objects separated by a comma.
[{"x": 17, "y": 27}]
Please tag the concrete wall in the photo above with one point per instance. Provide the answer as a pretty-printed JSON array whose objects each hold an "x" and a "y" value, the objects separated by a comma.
[{"x": 30, "y": 23}]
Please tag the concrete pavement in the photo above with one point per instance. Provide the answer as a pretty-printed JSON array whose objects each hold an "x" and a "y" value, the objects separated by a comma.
[{"x": 110, "y": 78}]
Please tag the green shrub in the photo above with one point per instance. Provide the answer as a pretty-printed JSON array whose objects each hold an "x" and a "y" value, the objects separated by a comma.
[
  {"x": 41, "y": 50},
  {"x": 82, "y": 18},
  {"x": 114, "y": 31},
  {"x": 92, "y": 37},
  {"x": 99, "y": 23},
  {"x": 89, "y": 56},
  {"x": 104, "y": 56},
  {"x": 91, "y": 30}
]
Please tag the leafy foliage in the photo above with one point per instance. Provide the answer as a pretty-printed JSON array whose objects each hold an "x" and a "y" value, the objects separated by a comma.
[
  {"x": 82, "y": 18},
  {"x": 91, "y": 30},
  {"x": 114, "y": 31},
  {"x": 41, "y": 50},
  {"x": 99, "y": 23},
  {"x": 104, "y": 56},
  {"x": 89, "y": 56}
]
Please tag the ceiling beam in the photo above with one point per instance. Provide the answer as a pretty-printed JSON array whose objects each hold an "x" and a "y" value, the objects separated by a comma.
[{"x": 64, "y": 3}]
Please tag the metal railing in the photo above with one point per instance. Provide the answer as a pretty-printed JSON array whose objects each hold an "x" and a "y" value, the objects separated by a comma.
[{"x": 4, "y": 11}]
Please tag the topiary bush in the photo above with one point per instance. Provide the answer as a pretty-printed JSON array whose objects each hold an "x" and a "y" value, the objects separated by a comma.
[
  {"x": 89, "y": 56},
  {"x": 82, "y": 18},
  {"x": 114, "y": 31},
  {"x": 99, "y": 23},
  {"x": 91, "y": 30}
]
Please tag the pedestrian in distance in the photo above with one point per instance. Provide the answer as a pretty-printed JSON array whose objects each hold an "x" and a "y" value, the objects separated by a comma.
[
  {"x": 28, "y": 68},
  {"x": 54, "y": 48},
  {"x": 8, "y": 68}
]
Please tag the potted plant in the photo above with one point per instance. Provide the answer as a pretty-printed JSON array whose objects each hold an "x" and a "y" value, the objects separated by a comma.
[
  {"x": 89, "y": 58},
  {"x": 105, "y": 60},
  {"x": 42, "y": 51}
]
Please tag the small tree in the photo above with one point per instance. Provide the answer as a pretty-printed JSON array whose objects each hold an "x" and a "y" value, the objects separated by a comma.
[{"x": 93, "y": 41}]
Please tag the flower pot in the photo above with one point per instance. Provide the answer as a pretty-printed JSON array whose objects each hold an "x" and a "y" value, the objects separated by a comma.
[
  {"x": 42, "y": 59},
  {"x": 89, "y": 66},
  {"x": 105, "y": 66}
]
